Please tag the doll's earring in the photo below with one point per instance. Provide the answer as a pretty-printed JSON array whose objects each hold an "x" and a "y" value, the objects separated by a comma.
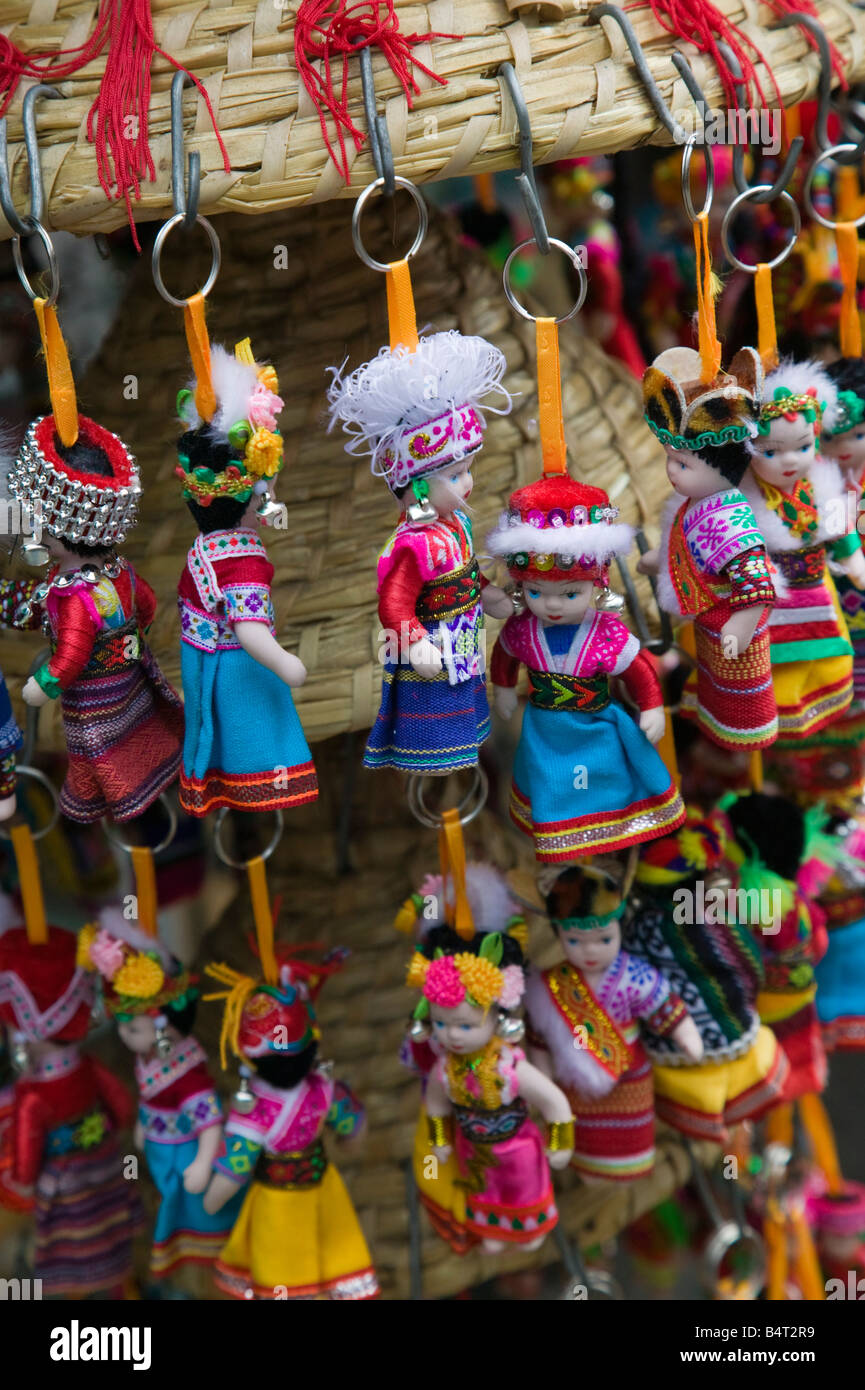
[
  {"x": 421, "y": 511},
  {"x": 272, "y": 513},
  {"x": 163, "y": 1042},
  {"x": 517, "y": 598},
  {"x": 35, "y": 555},
  {"x": 419, "y": 1030},
  {"x": 18, "y": 1055},
  {"x": 510, "y": 1028},
  {"x": 243, "y": 1100},
  {"x": 608, "y": 602}
]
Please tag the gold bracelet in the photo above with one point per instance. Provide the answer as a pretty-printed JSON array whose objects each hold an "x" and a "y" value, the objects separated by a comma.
[
  {"x": 560, "y": 1135},
  {"x": 439, "y": 1130}
]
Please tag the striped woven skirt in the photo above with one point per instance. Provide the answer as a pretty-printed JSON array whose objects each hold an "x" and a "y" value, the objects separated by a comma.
[
  {"x": 812, "y": 658},
  {"x": 123, "y": 735},
  {"x": 87, "y": 1214},
  {"x": 731, "y": 699},
  {"x": 614, "y": 1135},
  {"x": 428, "y": 726}
]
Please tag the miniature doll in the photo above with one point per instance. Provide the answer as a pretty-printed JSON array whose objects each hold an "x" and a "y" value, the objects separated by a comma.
[
  {"x": 12, "y": 1198},
  {"x": 766, "y": 837},
  {"x": 712, "y": 565},
  {"x": 152, "y": 999},
  {"x": 800, "y": 505},
  {"x": 441, "y": 1189},
  {"x": 843, "y": 441},
  {"x": 419, "y": 416},
  {"x": 583, "y": 1018},
  {"x": 840, "y": 974},
  {"x": 244, "y": 745},
  {"x": 713, "y": 962},
  {"x": 481, "y": 1086},
  {"x": 12, "y": 594},
  {"x": 586, "y": 777},
  {"x": 297, "y": 1235},
  {"x": 122, "y": 720},
  {"x": 67, "y": 1111}
]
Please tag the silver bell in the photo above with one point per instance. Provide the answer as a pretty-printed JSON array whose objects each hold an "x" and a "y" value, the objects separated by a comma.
[
  {"x": 419, "y": 1030},
  {"x": 18, "y": 1054},
  {"x": 510, "y": 1028},
  {"x": 609, "y": 602},
  {"x": 35, "y": 555},
  {"x": 243, "y": 1100},
  {"x": 163, "y": 1042}
]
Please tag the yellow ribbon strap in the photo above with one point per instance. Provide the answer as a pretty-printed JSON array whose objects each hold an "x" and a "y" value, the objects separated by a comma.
[
  {"x": 452, "y": 851},
  {"x": 755, "y": 770},
  {"x": 847, "y": 241},
  {"x": 710, "y": 348},
  {"x": 767, "y": 338},
  {"x": 400, "y": 307},
  {"x": 263, "y": 918},
  {"x": 775, "y": 1236},
  {"x": 30, "y": 885},
  {"x": 666, "y": 750},
  {"x": 805, "y": 1264},
  {"x": 551, "y": 421},
  {"x": 145, "y": 887},
  {"x": 61, "y": 384},
  {"x": 199, "y": 352},
  {"x": 818, "y": 1127}
]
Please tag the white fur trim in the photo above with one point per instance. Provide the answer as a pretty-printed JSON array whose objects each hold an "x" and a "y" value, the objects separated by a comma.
[
  {"x": 572, "y": 1066},
  {"x": 830, "y": 500},
  {"x": 233, "y": 384},
  {"x": 668, "y": 599},
  {"x": 798, "y": 377},
  {"x": 596, "y": 539},
  {"x": 111, "y": 919},
  {"x": 490, "y": 899}
]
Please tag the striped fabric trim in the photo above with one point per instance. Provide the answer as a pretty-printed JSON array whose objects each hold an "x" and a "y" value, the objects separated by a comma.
[
  {"x": 613, "y": 830},
  {"x": 353, "y": 1288},
  {"x": 253, "y": 791}
]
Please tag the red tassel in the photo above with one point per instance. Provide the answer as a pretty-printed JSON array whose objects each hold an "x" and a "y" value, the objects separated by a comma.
[
  {"x": 699, "y": 22},
  {"x": 783, "y": 7},
  {"x": 118, "y": 120},
  {"x": 333, "y": 31}
]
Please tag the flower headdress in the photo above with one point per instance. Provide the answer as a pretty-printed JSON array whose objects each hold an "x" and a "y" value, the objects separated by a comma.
[
  {"x": 232, "y": 454},
  {"x": 796, "y": 388},
  {"x": 478, "y": 980},
  {"x": 493, "y": 906},
  {"x": 138, "y": 975}
]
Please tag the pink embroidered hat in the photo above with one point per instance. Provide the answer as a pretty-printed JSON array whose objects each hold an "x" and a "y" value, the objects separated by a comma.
[{"x": 559, "y": 529}]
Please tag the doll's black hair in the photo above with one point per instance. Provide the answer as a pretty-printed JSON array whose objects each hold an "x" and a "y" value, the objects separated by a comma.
[
  {"x": 572, "y": 895},
  {"x": 848, "y": 374},
  {"x": 731, "y": 460},
  {"x": 85, "y": 458},
  {"x": 285, "y": 1072},
  {"x": 450, "y": 943},
  {"x": 182, "y": 1017},
  {"x": 772, "y": 825},
  {"x": 202, "y": 451}
]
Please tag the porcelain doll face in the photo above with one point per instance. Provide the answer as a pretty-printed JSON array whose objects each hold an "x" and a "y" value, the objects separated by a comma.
[
  {"x": 450, "y": 487},
  {"x": 592, "y": 949},
  {"x": 139, "y": 1033},
  {"x": 848, "y": 450},
  {"x": 691, "y": 476},
  {"x": 564, "y": 601},
  {"x": 462, "y": 1030},
  {"x": 786, "y": 453}
]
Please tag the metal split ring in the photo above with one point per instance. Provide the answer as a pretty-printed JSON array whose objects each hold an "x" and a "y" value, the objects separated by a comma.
[
  {"x": 725, "y": 1238},
  {"x": 116, "y": 838},
  {"x": 738, "y": 201},
  {"x": 687, "y": 154},
  {"x": 24, "y": 770},
  {"x": 159, "y": 242},
  {"x": 573, "y": 257},
  {"x": 468, "y": 808},
  {"x": 809, "y": 203},
  {"x": 35, "y": 228},
  {"x": 357, "y": 213},
  {"x": 222, "y": 852}
]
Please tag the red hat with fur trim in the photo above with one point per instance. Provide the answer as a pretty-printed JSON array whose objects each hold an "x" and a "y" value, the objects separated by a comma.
[
  {"x": 44, "y": 993},
  {"x": 559, "y": 529}
]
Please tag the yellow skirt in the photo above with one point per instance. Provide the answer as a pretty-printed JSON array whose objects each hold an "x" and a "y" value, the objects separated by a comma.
[
  {"x": 297, "y": 1243},
  {"x": 704, "y": 1101},
  {"x": 812, "y": 694},
  {"x": 441, "y": 1191}
]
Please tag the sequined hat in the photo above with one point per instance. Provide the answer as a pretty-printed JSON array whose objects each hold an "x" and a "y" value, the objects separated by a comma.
[
  {"x": 685, "y": 412},
  {"x": 559, "y": 529},
  {"x": 86, "y": 493}
]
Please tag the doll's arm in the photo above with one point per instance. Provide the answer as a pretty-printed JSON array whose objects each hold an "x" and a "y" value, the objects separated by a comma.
[
  {"x": 76, "y": 635},
  {"x": 504, "y": 670},
  {"x": 145, "y": 603},
  {"x": 233, "y": 1168},
  {"x": 847, "y": 550},
  {"x": 440, "y": 1114},
  {"x": 258, "y": 641},
  {"x": 347, "y": 1114},
  {"x": 649, "y": 563},
  {"x": 113, "y": 1094},
  {"x": 197, "y": 1174},
  {"x": 397, "y": 604},
  {"x": 30, "y": 1126},
  {"x": 642, "y": 685},
  {"x": 751, "y": 592},
  {"x": 495, "y": 601},
  {"x": 544, "y": 1095},
  {"x": 686, "y": 1036}
]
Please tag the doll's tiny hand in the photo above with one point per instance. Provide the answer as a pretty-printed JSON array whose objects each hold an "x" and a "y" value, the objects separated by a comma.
[
  {"x": 496, "y": 602},
  {"x": 293, "y": 671},
  {"x": 854, "y": 568},
  {"x": 7, "y": 807},
  {"x": 33, "y": 694},
  {"x": 443, "y": 1153},
  {"x": 653, "y": 722},
  {"x": 196, "y": 1176},
  {"x": 425, "y": 658},
  {"x": 649, "y": 563},
  {"x": 559, "y": 1158},
  {"x": 738, "y": 631},
  {"x": 138, "y": 1135},
  {"x": 506, "y": 701}
]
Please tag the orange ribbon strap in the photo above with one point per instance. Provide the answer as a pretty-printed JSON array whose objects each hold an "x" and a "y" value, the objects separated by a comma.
[
  {"x": 263, "y": 918},
  {"x": 452, "y": 853},
  {"x": 551, "y": 421},
  {"x": 710, "y": 348},
  {"x": 400, "y": 307},
  {"x": 847, "y": 241},
  {"x": 30, "y": 884},
  {"x": 61, "y": 384},
  {"x": 666, "y": 750},
  {"x": 755, "y": 770},
  {"x": 818, "y": 1127},
  {"x": 767, "y": 337},
  {"x": 145, "y": 887},
  {"x": 805, "y": 1266},
  {"x": 199, "y": 351}
]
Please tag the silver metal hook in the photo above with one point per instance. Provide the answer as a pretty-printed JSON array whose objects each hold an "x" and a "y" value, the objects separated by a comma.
[
  {"x": 853, "y": 153},
  {"x": 379, "y": 139},
  {"x": 526, "y": 176},
  {"x": 769, "y": 192},
  {"x": 185, "y": 195},
  {"x": 659, "y": 106},
  {"x": 24, "y": 226}
]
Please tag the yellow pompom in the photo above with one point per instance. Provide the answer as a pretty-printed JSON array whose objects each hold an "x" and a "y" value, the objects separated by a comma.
[
  {"x": 267, "y": 377},
  {"x": 519, "y": 930},
  {"x": 482, "y": 980},
  {"x": 141, "y": 977},
  {"x": 693, "y": 847},
  {"x": 86, "y": 937},
  {"x": 417, "y": 971},
  {"x": 263, "y": 454},
  {"x": 406, "y": 917}
]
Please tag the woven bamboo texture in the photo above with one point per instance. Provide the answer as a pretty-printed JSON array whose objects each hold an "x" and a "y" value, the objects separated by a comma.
[
  {"x": 323, "y": 307},
  {"x": 583, "y": 96}
]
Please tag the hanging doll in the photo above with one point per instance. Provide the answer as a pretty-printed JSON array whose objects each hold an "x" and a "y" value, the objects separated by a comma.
[
  {"x": 714, "y": 964},
  {"x": 765, "y": 842},
  {"x": 840, "y": 974},
  {"x": 799, "y": 501},
  {"x": 297, "y": 1235},
  {"x": 440, "y": 1186},
  {"x": 122, "y": 720},
  {"x": 244, "y": 745},
  {"x": 419, "y": 416},
  {"x": 152, "y": 999},
  {"x": 712, "y": 565},
  {"x": 480, "y": 1088},
  {"x": 67, "y": 1111},
  {"x": 843, "y": 441},
  {"x": 586, "y": 777},
  {"x": 584, "y": 1019}
]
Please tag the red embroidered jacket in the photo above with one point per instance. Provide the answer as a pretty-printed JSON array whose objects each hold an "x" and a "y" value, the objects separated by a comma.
[{"x": 43, "y": 1106}]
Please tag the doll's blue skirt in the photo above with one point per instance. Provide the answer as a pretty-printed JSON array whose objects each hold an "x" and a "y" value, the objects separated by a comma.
[
  {"x": 10, "y": 735},
  {"x": 428, "y": 725},
  {"x": 185, "y": 1233},
  {"x": 841, "y": 988}
]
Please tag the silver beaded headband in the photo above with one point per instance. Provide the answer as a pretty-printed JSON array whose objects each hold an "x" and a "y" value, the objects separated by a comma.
[{"x": 68, "y": 508}]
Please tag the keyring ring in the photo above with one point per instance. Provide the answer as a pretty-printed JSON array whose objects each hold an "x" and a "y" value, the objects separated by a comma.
[
  {"x": 24, "y": 770},
  {"x": 687, "y": 153},
  {"x": 471, "y": 805},
  {"x": 159, "y": 242},
  {"x": 818, "y": 216},
  {"x": 572, "y": 257},
  {"x": 422, "y": 214},
  {"x": 222, "y": 852},
  {"x": 117, "y": 839},
  {"x": 725, "y": 1238},
  {"x": 53, "y": 267},
  {"x": 795, "y": 228}
]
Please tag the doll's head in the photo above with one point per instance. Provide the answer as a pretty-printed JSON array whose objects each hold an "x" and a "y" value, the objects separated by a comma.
[
  {"x": 844, "y": 422},
  {"x": 229, "y": 464},
  {"x": 769, "y": 828},
  {"x": 46, "y": 997},
  {"x": 558, "y": 538},
  {"x": 585, "y": 908},
  {"x": 795, "y": 397},
  {"x": 703, "y": 426},
  {"x": 469, "y": 987},
  {"x": 150, "y": 995},
  {"x": 418, "y": 415}
]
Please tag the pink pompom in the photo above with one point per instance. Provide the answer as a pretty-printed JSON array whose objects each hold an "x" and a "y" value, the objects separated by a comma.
[
  {"x": 443, "y": 985},
  {"x": 511, "y": 991},
  {"x": 264, "y": 406},
  {"x": 107, "y": 954}
]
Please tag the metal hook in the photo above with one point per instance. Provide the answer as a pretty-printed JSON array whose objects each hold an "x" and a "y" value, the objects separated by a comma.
[
  {"x": 824, "y": 87},
  {"x": 638, "y": 58},
  {"x": 24, "y": 226},
  {"x": 771, "y": 192},
  {"x": 185, "y": 195},
  {"x": 526, "y": 176},
  {"x": 379, "y": 138}
]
